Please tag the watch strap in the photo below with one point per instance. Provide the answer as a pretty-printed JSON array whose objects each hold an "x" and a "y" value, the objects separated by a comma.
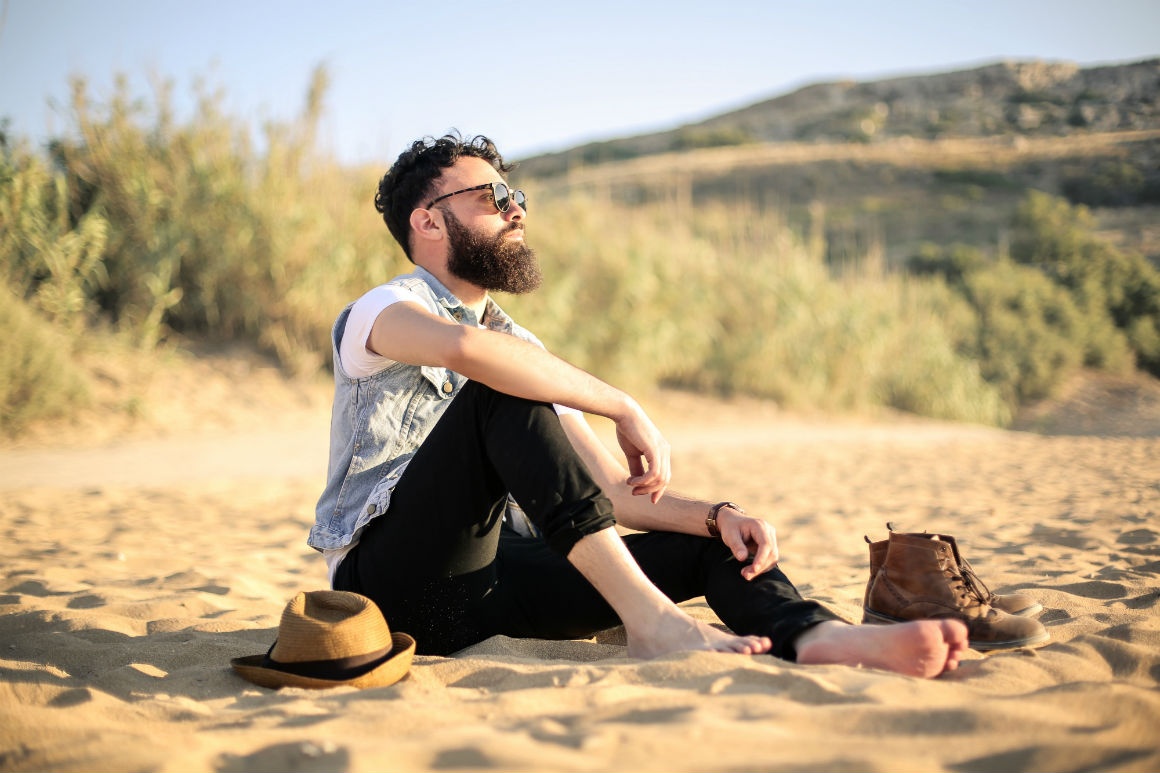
[{"x": 711, "y": 519}]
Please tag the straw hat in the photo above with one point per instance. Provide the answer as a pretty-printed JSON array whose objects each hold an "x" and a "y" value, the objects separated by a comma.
[{"x": 330, "y": 638}]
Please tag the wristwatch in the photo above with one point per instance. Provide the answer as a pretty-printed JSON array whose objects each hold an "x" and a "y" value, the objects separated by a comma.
[{"x": 711, "y": 519}]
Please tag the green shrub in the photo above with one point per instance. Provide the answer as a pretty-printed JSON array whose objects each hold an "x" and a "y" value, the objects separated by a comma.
[
  {"x": 605, "y": 152},
  {"x": 1030, "y": 332},
  {"x": 208, "y": 237},
  {"x": 38, "y": 377},
  {"x": 983, "y": 178},
  {"x": 45, "y": 258},
  {"x": 1115, "y": 183},
  {"x": 1035, "y": 97},
  {"x": 952, "y": 263},
  {"x": 48, "y": 269},
  {"x": 690, "y": 138},
  {"x": 1059, "y": 240}
]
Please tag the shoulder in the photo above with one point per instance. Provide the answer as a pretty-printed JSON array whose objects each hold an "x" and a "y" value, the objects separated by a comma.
[
  {"x": 407, "y": 288},
  {"x": 521, "y": 332},
  {"x": 378, "y": 298}
]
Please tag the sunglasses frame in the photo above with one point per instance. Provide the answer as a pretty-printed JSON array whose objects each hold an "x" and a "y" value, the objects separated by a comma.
[{"x": 511, "y": 196}]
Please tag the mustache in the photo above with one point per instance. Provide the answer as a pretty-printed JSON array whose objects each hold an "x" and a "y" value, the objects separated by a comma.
[{"x": 515, "y": 225}]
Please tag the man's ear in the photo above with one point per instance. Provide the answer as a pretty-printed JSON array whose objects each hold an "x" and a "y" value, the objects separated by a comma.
[{"x": 424, "y": 225}]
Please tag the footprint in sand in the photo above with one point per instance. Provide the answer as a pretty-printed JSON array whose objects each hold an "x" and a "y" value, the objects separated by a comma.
[
  {"x": 463, "y": 757},
  {"x": 1144, "y": 601},
  {"x": 69, "y": 698},
  {"x": 1137, "y": 537},
  {"x": 1096, "y": 589},
  {"x": 193, "y": 580},
  {"x": 1069, "y": 538},
  {"x": 88, "y": 601},
  {"x": 303, "y": 756},
  {"x": 37, "y": 588}
]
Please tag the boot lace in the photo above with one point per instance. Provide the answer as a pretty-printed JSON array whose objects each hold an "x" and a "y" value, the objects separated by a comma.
[
  {"x": 977, "y": 586},
  {"x": 960, "y": 582}
]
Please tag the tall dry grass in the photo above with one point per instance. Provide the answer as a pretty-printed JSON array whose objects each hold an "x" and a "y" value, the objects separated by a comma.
[
  {"x": 728, "y": 299},
  {"x": 137, "y": 227},
  {"x": 210, "y": 237}
]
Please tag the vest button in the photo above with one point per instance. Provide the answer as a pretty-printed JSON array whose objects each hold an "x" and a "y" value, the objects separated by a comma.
[{"x": 447, "y": 387}]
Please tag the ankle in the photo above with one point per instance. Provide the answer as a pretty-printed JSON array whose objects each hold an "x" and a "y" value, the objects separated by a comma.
[{"x": 819, "y": 635}]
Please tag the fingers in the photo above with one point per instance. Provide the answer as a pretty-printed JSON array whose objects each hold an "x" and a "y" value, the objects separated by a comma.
[
  {"x": 654, "y": 479},
  {"x": 648, "y": 456},
  {"x": 767, "y": 555},
  {"x": 660, "y": 472},
  {"x": 751, "y": 538},
  {"x": 635, "y": 466}
]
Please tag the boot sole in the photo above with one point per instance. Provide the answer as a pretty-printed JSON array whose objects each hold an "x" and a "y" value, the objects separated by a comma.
[
  {"x": 871, "y": 617},
  {"x": 1031, "y": 611}
]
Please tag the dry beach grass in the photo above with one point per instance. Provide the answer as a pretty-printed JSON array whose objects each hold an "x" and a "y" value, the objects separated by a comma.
[{"x": 135, "y": 569}]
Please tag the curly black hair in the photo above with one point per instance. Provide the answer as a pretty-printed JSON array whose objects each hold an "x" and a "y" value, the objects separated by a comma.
[{"x": 412, "y": 177}]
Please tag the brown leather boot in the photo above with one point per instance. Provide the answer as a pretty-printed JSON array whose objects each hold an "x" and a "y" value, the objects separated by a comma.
[
  {"x": 1018, "y": 604},
  {"x": 920, "y": 579}
]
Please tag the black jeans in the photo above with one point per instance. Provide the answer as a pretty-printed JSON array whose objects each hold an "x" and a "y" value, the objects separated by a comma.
[{"x": 441, "y": 567}]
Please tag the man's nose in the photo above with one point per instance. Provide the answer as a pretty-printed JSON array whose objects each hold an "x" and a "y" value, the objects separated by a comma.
[{"x": 515, "y": 211}]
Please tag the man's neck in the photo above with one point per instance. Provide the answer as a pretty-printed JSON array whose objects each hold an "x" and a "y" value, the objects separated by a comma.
[{"x": 473, "y": 297}]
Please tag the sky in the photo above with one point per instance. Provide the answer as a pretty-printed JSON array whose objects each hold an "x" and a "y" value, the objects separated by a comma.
[{"x": 534, "y": 76}]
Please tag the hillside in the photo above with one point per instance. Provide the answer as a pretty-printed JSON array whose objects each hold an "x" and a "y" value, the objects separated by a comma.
[
  {"x": 877, "y": 169},
  {"x": 887, "y": 198},
  {"x": 1030, "y": 98}
]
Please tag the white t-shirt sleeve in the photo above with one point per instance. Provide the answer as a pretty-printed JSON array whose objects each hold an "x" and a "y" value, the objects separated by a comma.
[{"x": 358, "y": 361}]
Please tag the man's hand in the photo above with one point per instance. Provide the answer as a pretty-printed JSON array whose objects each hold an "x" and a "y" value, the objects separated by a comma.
[
  {"x": 647, "y": 453},
  {"x": 748, "y": 536}
]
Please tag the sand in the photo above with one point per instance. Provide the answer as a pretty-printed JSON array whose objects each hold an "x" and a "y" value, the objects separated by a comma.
[{"x": 134, "y": 570}]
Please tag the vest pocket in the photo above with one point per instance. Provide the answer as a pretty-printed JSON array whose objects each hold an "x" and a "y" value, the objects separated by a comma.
[{"x": 445, "y": 382}]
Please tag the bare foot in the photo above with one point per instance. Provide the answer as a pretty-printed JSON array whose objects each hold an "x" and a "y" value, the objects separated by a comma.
[
  {"x": 677, "y": 631},
  {"x": 923, "y": 648}
]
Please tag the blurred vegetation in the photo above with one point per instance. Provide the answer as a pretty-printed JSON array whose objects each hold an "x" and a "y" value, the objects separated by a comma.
[
  {"x": 731, "y": 301},
  {"x": 1062, "y": 299},
  {"x": 138, "y": 227},
  {"x": 1119, "y": 182},
  {"x": 1057, "y": 239},
  {"x": 691, "y": 137}
]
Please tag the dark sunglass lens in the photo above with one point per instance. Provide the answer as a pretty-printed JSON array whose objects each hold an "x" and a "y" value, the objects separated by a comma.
[
  {"x": 521, "y": 199},
  {"x": 502, "y": 197}
]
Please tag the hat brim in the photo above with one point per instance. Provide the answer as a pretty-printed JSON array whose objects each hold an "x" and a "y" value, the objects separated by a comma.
[{"x": 392, "y": 669}]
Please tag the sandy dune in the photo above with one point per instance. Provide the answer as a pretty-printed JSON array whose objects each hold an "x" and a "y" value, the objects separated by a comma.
[{"x": 132, "y": 573}]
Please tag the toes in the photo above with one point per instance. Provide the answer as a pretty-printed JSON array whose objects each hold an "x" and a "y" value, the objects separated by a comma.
[
  {"x": 755, "y": 645},
  {"x": 957, "y": 631},
  {"x": 748, "y": 645}
]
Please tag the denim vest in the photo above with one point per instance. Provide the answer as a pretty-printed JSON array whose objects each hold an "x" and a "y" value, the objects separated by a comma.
[{"x": 377, "y": 423}]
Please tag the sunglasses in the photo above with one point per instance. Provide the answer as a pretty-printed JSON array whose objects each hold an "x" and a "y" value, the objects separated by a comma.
[{"x": 501, "y": 196}]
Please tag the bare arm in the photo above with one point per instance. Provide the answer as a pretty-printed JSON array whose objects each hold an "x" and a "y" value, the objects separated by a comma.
[
  {"x": 744, "y": 535},
  {"x": 405, "y": 332}
]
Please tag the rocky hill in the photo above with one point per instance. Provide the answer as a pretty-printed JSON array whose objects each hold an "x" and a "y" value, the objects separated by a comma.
[{"x": 1030, "y": 98}]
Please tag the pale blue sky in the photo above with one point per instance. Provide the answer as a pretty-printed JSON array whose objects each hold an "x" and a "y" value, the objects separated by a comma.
[{"x": 534, "y": 76}]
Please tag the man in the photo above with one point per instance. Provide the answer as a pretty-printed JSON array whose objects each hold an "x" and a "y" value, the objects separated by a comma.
[{"x": 444, "y": 407}]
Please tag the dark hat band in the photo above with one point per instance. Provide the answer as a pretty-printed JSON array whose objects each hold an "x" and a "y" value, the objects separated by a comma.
[{"x": 336, "y": 670}]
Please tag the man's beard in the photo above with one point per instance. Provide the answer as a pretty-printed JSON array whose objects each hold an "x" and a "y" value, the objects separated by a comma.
[{"x": 496, "y": 263}]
